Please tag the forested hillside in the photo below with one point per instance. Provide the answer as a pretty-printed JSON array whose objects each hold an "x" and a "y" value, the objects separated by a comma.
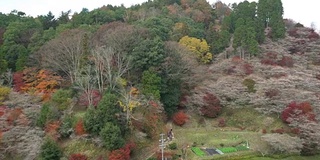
[{"x": 105, "y": 83}]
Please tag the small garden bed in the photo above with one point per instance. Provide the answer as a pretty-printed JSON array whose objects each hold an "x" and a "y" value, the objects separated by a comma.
[
  {"x": 198, "y": 151},
  {"x": 212, "y": 151}
]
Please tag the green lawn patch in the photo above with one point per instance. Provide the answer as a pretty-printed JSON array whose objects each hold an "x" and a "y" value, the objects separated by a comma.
[
  {"x": 228, "y": 149},
  {"x": 198, "y": 151},
  {"x": 241, "y": 148},
  {"x": 84, "y": 147},
  {"x": 79, "y": 115}
]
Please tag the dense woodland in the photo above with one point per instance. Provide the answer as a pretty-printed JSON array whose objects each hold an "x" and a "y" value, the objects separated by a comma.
[{"x": 105, "y": 74}]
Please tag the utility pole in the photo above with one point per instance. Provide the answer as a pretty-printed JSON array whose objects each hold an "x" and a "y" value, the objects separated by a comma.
[{"x": 162, "y": 145}]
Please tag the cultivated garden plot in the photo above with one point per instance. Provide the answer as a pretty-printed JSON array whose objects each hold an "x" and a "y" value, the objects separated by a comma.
[{"x": 202, "y": 151}]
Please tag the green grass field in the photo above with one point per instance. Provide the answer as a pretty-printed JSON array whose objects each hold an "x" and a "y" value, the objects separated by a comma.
[{"x": 241, "y": 125}]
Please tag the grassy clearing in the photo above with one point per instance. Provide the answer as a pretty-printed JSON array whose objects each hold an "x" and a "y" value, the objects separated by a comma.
[
  {"x": 84, "y": 147},
  {"x": 214, "y": 138},
  {"x": 249, "y": 119},
  {"x": 243, "y": 124},
  {"x": 79, "y": 115},
  {"x": 317, "y": 157}
]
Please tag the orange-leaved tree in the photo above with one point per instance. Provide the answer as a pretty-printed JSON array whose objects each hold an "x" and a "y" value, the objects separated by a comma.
[
  {"x": 180, "y": 118},
  {"x": 79, "y": 128},
  {"x": 37, "y": 81},
  {"x": 122, "y": 153},
  {"x": 52, "y": 128}
]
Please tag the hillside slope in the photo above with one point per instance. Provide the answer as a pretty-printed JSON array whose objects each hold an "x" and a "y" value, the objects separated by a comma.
[{"x": 275, "y": 85}]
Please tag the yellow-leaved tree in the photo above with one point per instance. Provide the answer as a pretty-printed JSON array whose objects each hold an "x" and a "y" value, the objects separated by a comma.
[
  {"x": 129, "y": 100},
  {"x": 199, "y": 47}
]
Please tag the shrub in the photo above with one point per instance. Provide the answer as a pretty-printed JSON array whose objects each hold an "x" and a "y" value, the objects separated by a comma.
[
  {"x": 299, "y": 25},
  {"x": 122, "y": 153},
  {"x": 286, "y": 62},
  {"x": 95, "y": 119},
  {"x": 264, "y": 131},
  {"x": 111, "y": 136},
  {"x": 173, "y": 146},
  {"x": 241, "y": 148},
  {"x": 4, "y": 92},
  {"x": 62, "y": 99},
  {"x": 316, "y": 60},
  {"x": 44, "y": 116},
  {"x": 180, "y": 118},
  {"x": 278, "y": 75},
  {"x": 249, "y": 83},
  {"x": 295, "y": 130},
  {"x": 279, "y": 130},
  {"x": 151, "y": 84},
  {"x": 313, "y": 36},
  {"x": 153, "y": 121},
  {"x": 3, "y": 110},
  {"x": 221, "y": 122},
  {"x": 51, "y": 129},
  {"x": 293, "y": 33},
  {"x": 212, "y": 107},
  {"x": 296, "y": 110},
  {"x": 78, "y": 156},
  {"x": 65, "y": 129},
  {"x": 231, "y": 70},
  {"x": 236, "y": 59},
  {"x": 268, "y": 62},
  {"x": 272, "y": 55},
  {"x": 13, "y": 115},
  {"x": 96, "y": 97},
  {"x": 90, "y": 121},
  {"x": 50, "y": 150},
  {"x": 270, "y": 93},
  {"x": 283, "y": 143},
  {"x": 248, "y": 68},
  {"x": 18, "y": 82},
  {"x": 79, "y": 128}
]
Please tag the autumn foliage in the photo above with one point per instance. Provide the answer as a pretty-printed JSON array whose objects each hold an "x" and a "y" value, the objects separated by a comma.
[
  {"x": 313, "y": 35},
  {"x": 40, "y": 81},
  {"x": 13, "y": 115},
  {"x": 78, "y": 156},
  {"x": 286, "y": 62},
  {"x": 32, "y": 80},
  {"x": 279, "y": 130},
  {"x": 247, "y": 68},
  {"x": 270, "y": 93},
  {"x": 153, "y": 119},
  {"x": 3, "y": 110},
  {"x": 79, "y": 128},
  {"x": 199, "y": 47},
  {"x": 52, "y": 128},
  {"x": 4, "y": 92},
  {"x": 297, "y": 110},
  {"x": 212, "y": 107},
  {"x": 96, "y": 97},
  {"x": 180, "y": 118},
  {"x": 122, "y": 153},
  {"x": 18, "y": 81},
  {"x": 293, "y": 33}
]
